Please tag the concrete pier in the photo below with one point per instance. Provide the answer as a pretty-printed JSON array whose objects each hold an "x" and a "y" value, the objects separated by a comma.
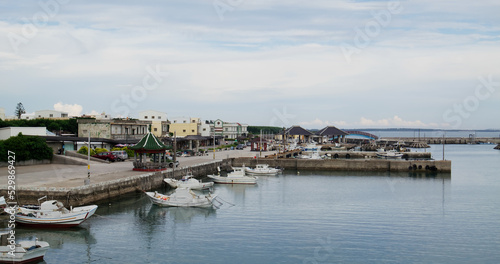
[{"x": 350, "y": 165}]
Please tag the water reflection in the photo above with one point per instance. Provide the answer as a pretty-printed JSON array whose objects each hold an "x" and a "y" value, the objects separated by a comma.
[{"x": 57, "y": 237}]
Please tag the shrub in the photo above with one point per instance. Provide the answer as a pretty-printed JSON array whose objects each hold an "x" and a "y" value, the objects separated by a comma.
[
  {"x": 83, "y": 150},
  {"x": 26, "y": 148},
  {"x": 100, "y": 150}
]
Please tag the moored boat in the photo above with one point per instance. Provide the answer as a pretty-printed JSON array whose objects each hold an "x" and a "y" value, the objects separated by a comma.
[
  {"x": 23, "y": 251},
  {"x": 182, "y": 197},
  {"x": 391, "y": 154},
  {"x": 52, "y": 213},
  {"x": 262, "y": 170},
  {"x": 188, "y": 181},
  {"x": 237, "y": 176}
]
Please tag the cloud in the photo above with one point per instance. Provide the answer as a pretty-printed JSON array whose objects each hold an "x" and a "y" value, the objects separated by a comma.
[{"x": 72, "y": 110}]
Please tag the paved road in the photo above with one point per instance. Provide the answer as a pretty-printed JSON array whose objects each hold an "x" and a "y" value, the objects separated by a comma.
[{"x": 59, "y": 175}]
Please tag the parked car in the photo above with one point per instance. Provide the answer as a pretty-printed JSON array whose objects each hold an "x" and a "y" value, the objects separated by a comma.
[
  {"x": 240, "y": 146},
  {"x": 108, "y": 156},
  {"x": 168, "y": 160},
  {"x": 121, "y": 155}
]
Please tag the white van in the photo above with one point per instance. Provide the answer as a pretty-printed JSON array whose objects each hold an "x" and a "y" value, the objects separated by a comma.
[{"x": 121, "y": 155}]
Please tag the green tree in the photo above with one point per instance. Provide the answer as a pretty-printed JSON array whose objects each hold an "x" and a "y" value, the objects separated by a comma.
[{"x": 19, "y": 110}]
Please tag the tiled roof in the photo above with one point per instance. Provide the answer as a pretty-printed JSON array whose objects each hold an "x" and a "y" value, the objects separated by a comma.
[
  {"x": 149, "y": 142},
  {"x": 331, "y": 131},
  {"x": 297, "y": 130}
]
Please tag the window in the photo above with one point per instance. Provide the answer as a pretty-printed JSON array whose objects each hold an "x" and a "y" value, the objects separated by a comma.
[
  {"x": 204, "y": 129},
  {"x": 155, "y": 129},
  {"x": 85, "y": 131},
  {"x": 51, "y": 115},
  {"x": 145, "y": 117},
  {"x": 152, "y": 117},
  {"x": 192, "y": 130},
  {"x": 184, "y": 130},
  {"x": 194, "y": 121},
  {"x": 184, "y": 121}
]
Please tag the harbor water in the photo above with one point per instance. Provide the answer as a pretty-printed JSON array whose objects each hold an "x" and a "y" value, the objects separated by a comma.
[{"x": 307, "y": 217}]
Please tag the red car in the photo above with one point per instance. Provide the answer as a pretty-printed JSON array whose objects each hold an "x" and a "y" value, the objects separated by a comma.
[{"x": 106, "y": 156}]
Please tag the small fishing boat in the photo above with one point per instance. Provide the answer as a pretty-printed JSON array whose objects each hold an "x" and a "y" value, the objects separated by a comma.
[
  {"x": 262, "y": 170},
  {"x": 188, "y": 181},
  {"x": 391, "y": 154},
  {"x": 237, "y": 176},
  {"x": 23, "y": 251},
  {"x": 182, "y": 197},
  {"x": 52, "y": 213}
]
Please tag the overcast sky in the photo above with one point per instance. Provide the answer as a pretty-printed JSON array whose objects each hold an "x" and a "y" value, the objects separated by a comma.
[{"x": 423, "y": 64}]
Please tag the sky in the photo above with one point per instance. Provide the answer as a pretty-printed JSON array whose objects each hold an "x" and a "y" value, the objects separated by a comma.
[{"x": 347, "y": 63}]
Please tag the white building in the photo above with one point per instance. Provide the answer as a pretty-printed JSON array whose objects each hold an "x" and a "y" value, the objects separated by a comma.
[
  {"x": 204, "y": 129},
  {"x": 49, "y": 114},
  {"x": 228, "y": 129},
  {"x": 2, "y": 113},
  {"x": 7, "y": 132},
  {"x": 152, "y": 115},
  {"x": 159, "y": 124}
]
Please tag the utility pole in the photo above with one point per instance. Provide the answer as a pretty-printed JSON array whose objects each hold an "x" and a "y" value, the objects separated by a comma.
[{"x": 87, "y": 181}]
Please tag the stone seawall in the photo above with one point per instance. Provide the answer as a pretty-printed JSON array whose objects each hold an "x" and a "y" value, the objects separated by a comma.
[
  {"x": 26, "y": 163},
  {"x": 93, "y": 193},
  {"x": 349, "y": 165}
]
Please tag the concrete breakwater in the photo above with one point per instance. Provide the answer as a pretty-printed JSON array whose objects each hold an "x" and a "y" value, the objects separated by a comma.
[
  {"x": 350, "y": 164},
  {"x": 93, "y": 193},
  {"x": 446, "y": 140}
]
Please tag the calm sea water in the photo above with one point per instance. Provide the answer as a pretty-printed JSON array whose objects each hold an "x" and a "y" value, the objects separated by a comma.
[{"x": 308, "y": 217}]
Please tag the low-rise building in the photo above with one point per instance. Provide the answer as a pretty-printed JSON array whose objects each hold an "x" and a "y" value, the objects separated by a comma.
[
  {"x": 7, "y": 132},
  {"x": 117, "y": 129},
  {"x": 228, "y": 129},
  {"x": 50, "y": 114},
  {"x": 159, "y": 122},
  {"x": 184, "y": 126}
]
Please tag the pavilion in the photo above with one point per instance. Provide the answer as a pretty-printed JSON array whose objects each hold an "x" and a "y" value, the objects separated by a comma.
[
  {"x": 150, "y": 144},
  {"x": 336, "y": 134}
]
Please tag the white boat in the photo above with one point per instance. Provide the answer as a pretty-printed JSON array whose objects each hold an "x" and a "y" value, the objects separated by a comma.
[
  {"x": 23, "y": 251},
  {"x": 262, "y": 170},
  {"x": 53, "y": 214},
  {"x": 188, "y": 181},
  {"x": 182, "y": 197},
  {"x": 391, "y": 154},
  {"x": 237, "y": 176}
]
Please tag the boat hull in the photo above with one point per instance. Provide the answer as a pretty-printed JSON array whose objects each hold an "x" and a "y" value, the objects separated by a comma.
[
  {"x": 164, "y": 200},
  {"x": 71, "y": 219},
  {"x": 23, "y": 254},
  {"x": 233, "y": 180}
]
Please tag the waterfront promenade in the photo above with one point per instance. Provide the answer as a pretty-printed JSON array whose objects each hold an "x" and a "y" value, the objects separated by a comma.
[{"x": 70, "y": 176}]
